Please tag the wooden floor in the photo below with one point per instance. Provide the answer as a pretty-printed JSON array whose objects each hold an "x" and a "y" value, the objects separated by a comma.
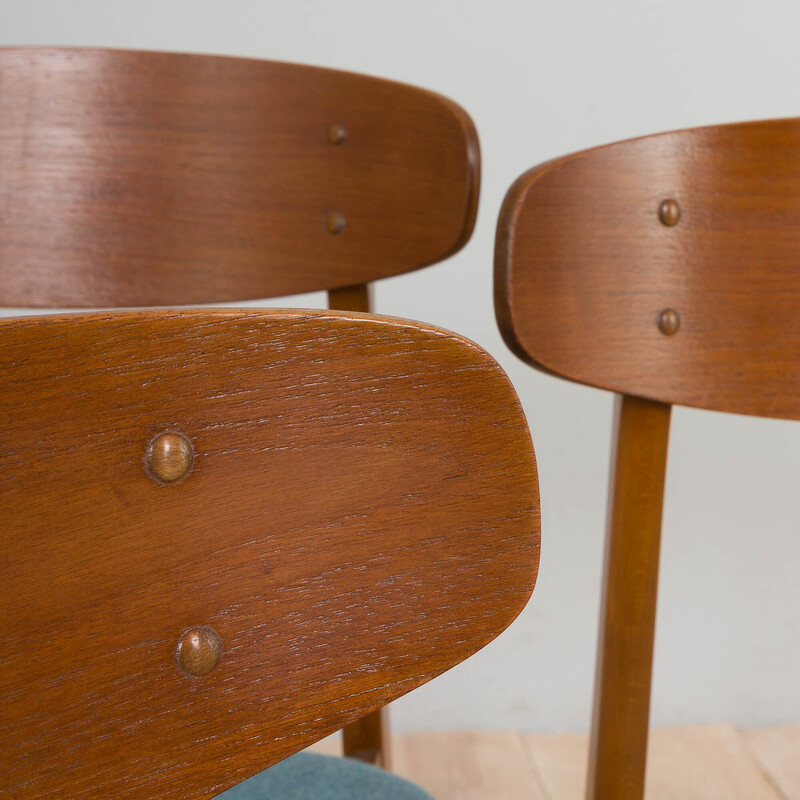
[{"x": 707, "y": 762}]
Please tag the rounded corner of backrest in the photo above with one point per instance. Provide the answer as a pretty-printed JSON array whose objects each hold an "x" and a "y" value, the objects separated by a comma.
[
  {"x": 503, "y": 249},
  {"x": 526, "y": 472},
  {"x": 473, "y": 174},
  {"x": 469, "y": 145},
  {"x": 507, "y": 270}
]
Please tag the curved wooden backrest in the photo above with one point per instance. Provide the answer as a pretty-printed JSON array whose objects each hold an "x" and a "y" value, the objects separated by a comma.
[
  {"x": 361, "y": 513},
  {"x": 137, "y": 178},
  {"x": 603, "y": 254}
]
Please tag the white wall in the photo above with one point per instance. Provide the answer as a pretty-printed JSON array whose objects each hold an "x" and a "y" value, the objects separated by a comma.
[{"x": 542, "y": 78}]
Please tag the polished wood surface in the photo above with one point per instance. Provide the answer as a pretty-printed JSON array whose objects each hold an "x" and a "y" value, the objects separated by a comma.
[
  {"x": 628, "y": 614},
  {"x": 361, "y": 514},
  {"x": 366, "y": 739},
  {"x": 138, "y": 178},
  {"x": 586, "y": 266}
]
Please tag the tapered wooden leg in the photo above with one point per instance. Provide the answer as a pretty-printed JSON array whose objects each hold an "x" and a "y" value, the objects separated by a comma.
[
  {"x": 367, "y": 739},
  {"x": 618, "y": 751},
  {"x": 351, "y": 298}
]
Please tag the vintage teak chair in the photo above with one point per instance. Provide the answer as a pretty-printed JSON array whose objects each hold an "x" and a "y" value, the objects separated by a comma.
[
  {"x": 136, "y": 179},
  {"x": 226, "y": 533},
  {"x": 665, "y": 269}
]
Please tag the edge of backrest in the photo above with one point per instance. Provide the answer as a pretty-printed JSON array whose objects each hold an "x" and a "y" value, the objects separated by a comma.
[
  {"x": 474, "y": 161},
  {"x": 504, "y": 254}
]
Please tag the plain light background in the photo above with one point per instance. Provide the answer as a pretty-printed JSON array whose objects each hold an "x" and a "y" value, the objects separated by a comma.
[{"x": 543, "y": 78}]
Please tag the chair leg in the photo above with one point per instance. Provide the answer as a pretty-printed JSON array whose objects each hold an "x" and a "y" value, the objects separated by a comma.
[
  {"x": 368, "y": 739},
  {"x": 351, "y": 298},
  {"x": 618, "y": 751}
]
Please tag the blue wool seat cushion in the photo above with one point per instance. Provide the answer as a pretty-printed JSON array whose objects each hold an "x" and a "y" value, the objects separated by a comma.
[{"x": 308, "y": 776}]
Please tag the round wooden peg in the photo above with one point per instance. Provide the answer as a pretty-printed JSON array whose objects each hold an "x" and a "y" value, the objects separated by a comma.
[
  {"x": 198, "y": 651},
  {"x": 337, "y": 133},
  {"x": 669, "y": 212},
  {"x": 169, "y": 457},
  {"x": 336, "y": 223},
  {"x": 669, "y": 321}
]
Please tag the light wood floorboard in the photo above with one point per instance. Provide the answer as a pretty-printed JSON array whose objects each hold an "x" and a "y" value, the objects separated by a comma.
[
  {"x": 703, "y": 762},
  {"x": 468, "y": 766},
  {"x": 778, "y": 750}
]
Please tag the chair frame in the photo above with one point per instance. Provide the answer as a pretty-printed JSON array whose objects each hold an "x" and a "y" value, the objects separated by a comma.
[{"x": 663, "y": 269}]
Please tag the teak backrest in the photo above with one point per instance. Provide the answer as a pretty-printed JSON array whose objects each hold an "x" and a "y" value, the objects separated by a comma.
[
  {"x": 666, "y": 269},
  {"x": 139, "y": 178},
  {"x": 601, "y": 253},
  {"x": 360, "y": 513}
]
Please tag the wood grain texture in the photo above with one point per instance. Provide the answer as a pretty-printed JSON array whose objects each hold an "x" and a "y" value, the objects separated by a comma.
[
  {"x": 618, "y": 753},
  {"x": 362, "y": 514},
  {"x": 584, "y": 267},
  {"x": 368, "y": 738},
  {"x": 139, "y": 178}
]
